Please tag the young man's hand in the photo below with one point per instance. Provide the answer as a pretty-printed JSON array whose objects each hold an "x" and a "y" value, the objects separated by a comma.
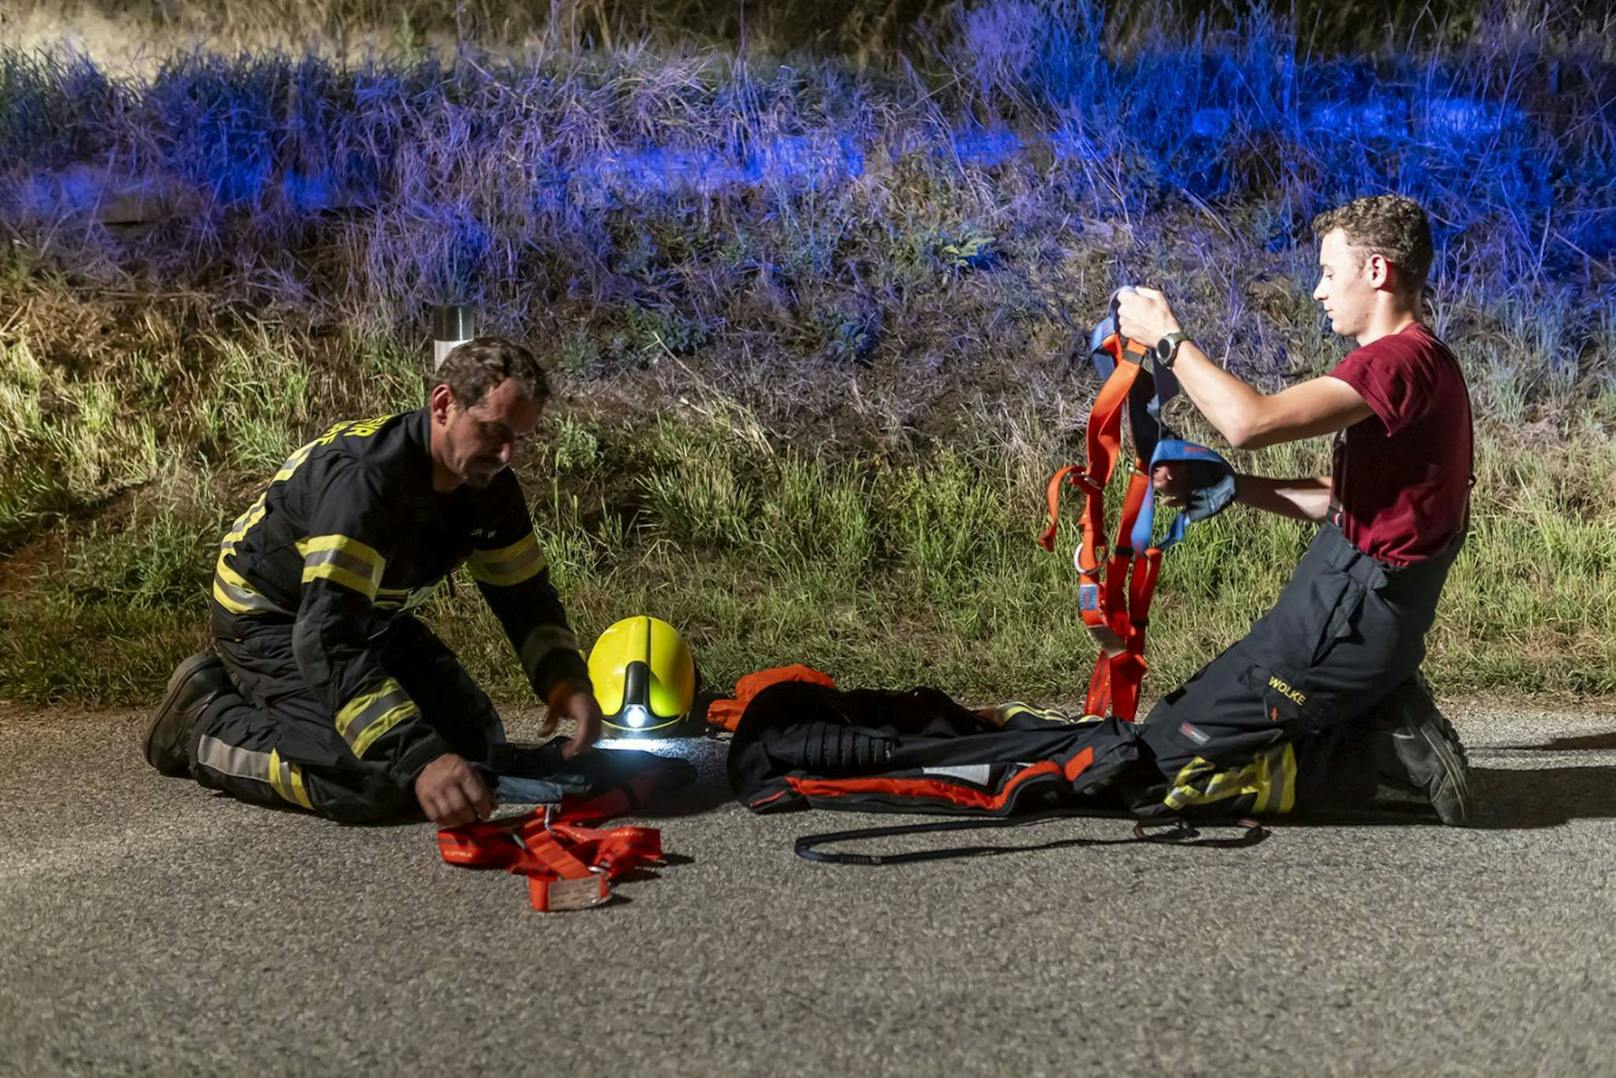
[
  {"x": 451, "y": 793},
  {"x": 1172, "y": 483},
  {"x": 1143, "y": 315},
  {"x": 584, "y": 711}
]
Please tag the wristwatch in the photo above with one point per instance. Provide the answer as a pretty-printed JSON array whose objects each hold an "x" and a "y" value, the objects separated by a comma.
[{"x": 1167, "y": 348}]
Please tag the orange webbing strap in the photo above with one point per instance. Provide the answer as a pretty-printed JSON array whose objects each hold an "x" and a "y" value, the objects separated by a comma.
[
  {"x": 1115, "y": 581},
  {"x": 568, "y": 866},
  {"x": 1130, "y": 577}
]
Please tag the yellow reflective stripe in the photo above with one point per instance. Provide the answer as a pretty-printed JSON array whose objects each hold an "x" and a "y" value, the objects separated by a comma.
[
  {"x": 1269, "y": 780},
  {"x": 1198, "y": 784},
  {"x": 287, "y": 779},
  {"x": 1047, "y": 714},
  {"x": 1287, "y": 780},
  {"x": 540, "y": 642},
  {"x": 276, "y": 780},
  {"x": 364, "y": 701},
  {"x": 228, "y": 574},
  {"x": 282, "y": 776},
  {"x": 370, "y": 715},
  {"x": 234, "y": 593},
  {"x": 299, "y": 793},
  {"x": 1264, "y": 782},
  {"x": 405, "y": 598},
  {"x": 380, "y": 726},
  {"x": 293, "y": 463},
  {"x": 224, "y": 597},
  {"x": 338, "y": 575},
  {"x": 520, "y": 561},
  {"x": 245, "y": 522},
  {"x": 344, "y": 545},
  {"x": 391, "y": 598},
  {"x": 344, "y": 561}
]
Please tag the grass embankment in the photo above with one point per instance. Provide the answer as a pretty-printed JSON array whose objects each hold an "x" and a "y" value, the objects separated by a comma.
[
  {"x": 815, "y": 327},
  {"x": 891, "y": 563}
]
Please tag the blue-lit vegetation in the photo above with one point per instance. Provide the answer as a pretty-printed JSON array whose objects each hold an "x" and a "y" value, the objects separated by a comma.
[
  {"x": 856, "y": 289},
  {"x": 379, "y": 186}
]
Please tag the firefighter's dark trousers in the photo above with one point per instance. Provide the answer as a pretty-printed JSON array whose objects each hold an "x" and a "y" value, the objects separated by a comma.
[
  {"x": 273, "y": 741},
  {"x": 1279, "y": 720}
]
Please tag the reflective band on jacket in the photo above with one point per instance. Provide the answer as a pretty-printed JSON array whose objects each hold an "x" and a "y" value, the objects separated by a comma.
[
  {"x": 282, "y": 776},
  {"x": 1269, "y": 779},
  {"x": 520, "y": 561},
  {"x": 540, "y": 642},
  {"x": 234, "y": 593},
  {"x": 370, "y": 715},
  {"x": 397, "y": 599},
  {"x": 349, "y": 562}
]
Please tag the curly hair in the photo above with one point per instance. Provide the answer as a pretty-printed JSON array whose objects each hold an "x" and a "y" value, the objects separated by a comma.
[
  {"x": 1394, "y": 227},
  {"x": 478, "y": 365}
]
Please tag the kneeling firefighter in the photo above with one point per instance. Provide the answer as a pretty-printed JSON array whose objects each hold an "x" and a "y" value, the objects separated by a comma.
[{"x": 321, "y": 690}]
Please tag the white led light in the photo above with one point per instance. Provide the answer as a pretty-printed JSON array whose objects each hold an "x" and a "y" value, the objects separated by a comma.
[
  {"x": 637, "y": 716},
  {"x": 653, "y": 744}
]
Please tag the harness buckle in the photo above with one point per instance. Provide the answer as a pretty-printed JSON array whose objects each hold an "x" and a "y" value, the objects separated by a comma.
[{"x": 1086, "y": 483}]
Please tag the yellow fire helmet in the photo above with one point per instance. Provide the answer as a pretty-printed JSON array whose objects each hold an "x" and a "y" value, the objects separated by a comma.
[{"x": 644, "y": 677}]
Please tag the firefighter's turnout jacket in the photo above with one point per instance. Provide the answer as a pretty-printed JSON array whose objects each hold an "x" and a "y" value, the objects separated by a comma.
[{"x": 349, "y": 535}]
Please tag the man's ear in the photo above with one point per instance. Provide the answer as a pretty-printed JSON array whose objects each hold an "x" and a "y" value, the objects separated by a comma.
[
  {"x": 1382, "y": 273},
  {"x": 439, "y": 401}
]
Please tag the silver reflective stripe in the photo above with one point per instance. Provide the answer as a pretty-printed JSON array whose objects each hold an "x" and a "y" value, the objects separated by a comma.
[
  {"x": 540, "y": 642},
  {"x": 240, "y": 763},
  {"x": 241, "y": 600},
  {"x": 342, "y": 560},
  {"x": 282, "y": 776}
]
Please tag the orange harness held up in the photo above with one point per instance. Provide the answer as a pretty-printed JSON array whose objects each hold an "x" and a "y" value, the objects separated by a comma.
[{"x": 1117, "y": 580}]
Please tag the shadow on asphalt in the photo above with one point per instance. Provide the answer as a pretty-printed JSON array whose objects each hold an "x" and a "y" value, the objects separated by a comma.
[
  {"x": 1511, "y": 799},
  {"x": 1588, "y": 743},
  {"x": 1507, "y": 799}
]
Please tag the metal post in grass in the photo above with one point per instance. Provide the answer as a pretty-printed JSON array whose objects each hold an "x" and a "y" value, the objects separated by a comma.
[{"x": 452, "y": 325}]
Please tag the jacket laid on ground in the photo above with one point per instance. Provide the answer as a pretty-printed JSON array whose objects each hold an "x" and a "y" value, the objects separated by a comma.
[
  {"x": 350, "y": 533},
  {"x": 802, "y": 745}
]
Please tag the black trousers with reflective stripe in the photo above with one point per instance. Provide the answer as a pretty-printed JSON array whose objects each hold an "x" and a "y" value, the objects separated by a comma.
[
  {"x": 1277, "y": 721},
  {"x": 274, "y": 742}
]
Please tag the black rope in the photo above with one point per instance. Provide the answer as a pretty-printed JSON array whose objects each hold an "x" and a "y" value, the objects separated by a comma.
[{"x": 1175, "y": 831}]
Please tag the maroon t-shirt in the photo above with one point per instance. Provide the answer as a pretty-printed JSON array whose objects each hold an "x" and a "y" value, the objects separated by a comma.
[{"x": 1402, "y": 476}]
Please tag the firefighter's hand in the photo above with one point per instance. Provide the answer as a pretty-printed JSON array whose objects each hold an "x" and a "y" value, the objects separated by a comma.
[
  {"x": 1143, "y": 315},
  {"x": 451, "y": 793},
  {"x": 584, "y": 711},
  {"x": 1172, "y": 482}
]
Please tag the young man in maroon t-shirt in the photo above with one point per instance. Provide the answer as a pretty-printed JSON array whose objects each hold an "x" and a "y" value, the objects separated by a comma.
[{"x": 1322, "y": 701}]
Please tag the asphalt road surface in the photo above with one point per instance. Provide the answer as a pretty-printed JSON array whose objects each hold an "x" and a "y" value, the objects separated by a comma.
[{"x": 149, "y": 925}]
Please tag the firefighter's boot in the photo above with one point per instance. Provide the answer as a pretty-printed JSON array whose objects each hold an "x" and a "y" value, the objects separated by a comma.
[
  {"x": 195, "y": 684},
  {"x": 1418, "y": 751}
]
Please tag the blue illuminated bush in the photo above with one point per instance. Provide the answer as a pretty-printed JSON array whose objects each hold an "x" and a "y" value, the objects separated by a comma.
[{"x": 366, "y": 191}]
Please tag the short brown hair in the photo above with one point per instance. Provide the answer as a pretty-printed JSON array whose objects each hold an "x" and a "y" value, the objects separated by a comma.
[
  {"x": 1394, "y": 227},
  {"x": 471, "y": 369}
]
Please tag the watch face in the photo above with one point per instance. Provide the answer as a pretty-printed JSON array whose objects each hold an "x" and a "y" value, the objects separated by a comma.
[{"x": 1164, "y": 350}]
